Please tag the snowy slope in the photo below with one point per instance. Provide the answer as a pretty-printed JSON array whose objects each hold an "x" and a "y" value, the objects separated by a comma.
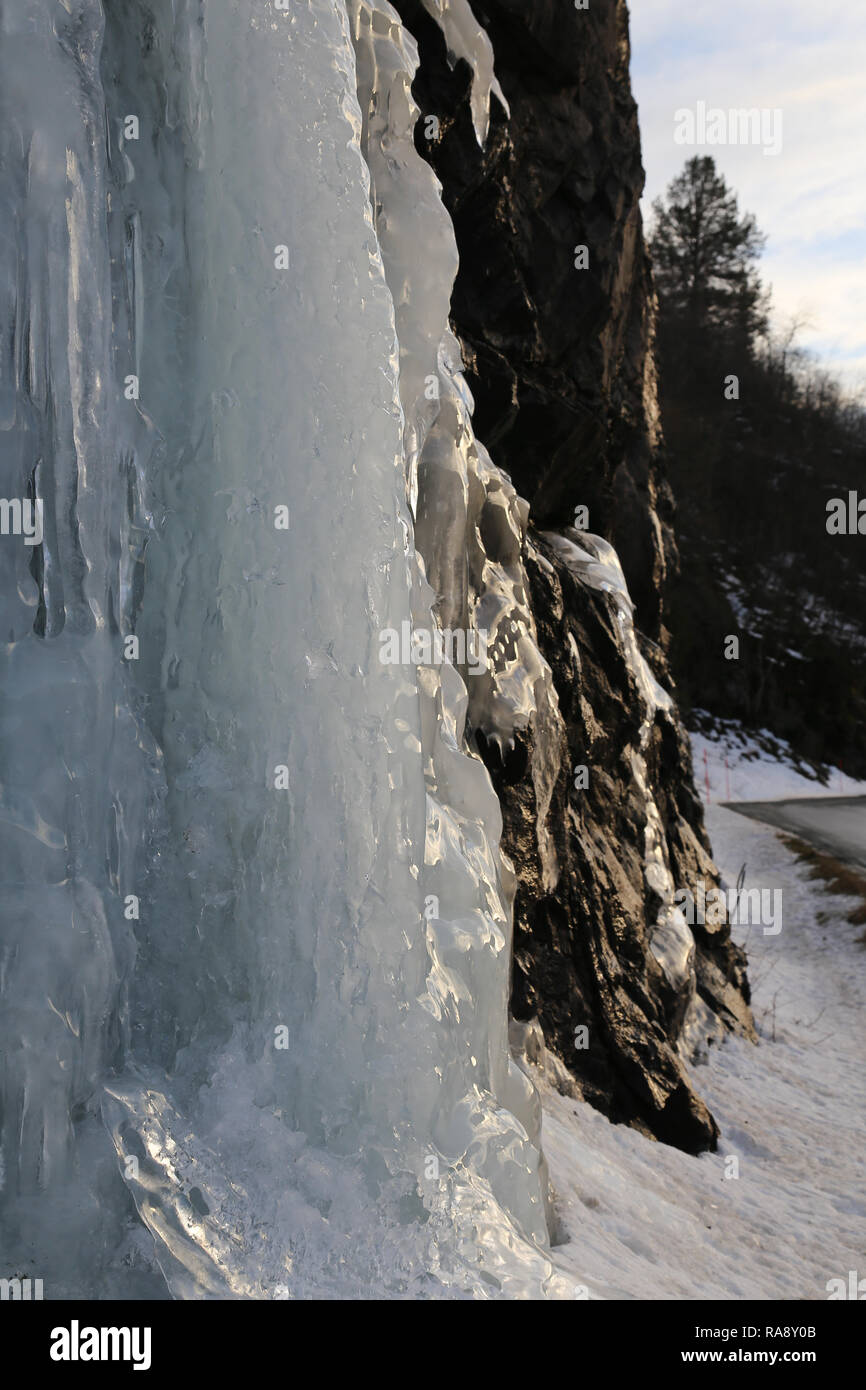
[
  {"x": 646, "y": 1221},
  {"x": 745, "y": 767}
]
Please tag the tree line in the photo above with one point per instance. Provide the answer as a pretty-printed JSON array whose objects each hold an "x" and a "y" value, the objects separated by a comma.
[{"x": 753, "y": 468}]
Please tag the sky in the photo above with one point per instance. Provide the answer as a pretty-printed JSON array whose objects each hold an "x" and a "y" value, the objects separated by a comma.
[{"x": 806, "y": 59}]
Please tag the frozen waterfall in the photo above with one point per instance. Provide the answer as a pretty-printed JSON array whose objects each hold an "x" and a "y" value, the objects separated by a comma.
[{"x": 255, "y": 946}]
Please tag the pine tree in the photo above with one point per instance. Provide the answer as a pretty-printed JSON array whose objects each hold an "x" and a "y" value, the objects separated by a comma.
[{"x": 704, "y": 253}]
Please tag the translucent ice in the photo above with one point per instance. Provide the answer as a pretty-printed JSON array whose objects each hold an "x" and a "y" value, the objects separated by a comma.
[
  {"x": 256, "y": 946},
  {"x": 466, "y": 39}
]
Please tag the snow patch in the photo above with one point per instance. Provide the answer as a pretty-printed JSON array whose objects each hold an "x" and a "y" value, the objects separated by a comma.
[{"x": 757, "y": 766}]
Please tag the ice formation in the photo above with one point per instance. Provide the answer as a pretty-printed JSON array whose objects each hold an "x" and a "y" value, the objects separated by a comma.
[
  {"x": 256, "y": 944},
  {"x": 466, "y": 39}
]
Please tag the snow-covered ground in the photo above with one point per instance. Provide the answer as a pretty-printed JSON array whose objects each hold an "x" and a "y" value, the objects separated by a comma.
[
  {"x": 746, "y": 767},
  {"x": 647, "y": 1221}
]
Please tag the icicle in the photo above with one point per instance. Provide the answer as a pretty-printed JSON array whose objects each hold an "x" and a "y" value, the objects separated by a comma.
[{"x": 466, "y": 39}]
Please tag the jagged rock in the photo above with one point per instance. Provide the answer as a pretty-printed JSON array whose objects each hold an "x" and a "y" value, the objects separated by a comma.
[
  {"x": 556, "y": 357},
  {"x": 560, "y": 362},
  {"x": 581, "y": 951}
]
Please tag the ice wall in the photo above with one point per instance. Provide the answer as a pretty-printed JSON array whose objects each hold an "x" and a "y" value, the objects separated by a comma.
[
  {"x": 76, "y": 766},
  {"x": 258, "y": 924}
]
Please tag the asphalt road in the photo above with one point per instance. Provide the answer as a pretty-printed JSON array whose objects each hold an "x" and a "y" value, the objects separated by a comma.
[{"x": 834, "y": 824}]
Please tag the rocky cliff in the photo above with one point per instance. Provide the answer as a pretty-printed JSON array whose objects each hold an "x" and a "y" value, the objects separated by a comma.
[{"x": 553, "y": 307}]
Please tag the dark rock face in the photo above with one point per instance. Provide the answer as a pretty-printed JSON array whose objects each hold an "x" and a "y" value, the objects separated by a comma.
[
  {"x": 556, "y": 357},
  {"x": 581, "y": 952},
  {"x": 560, "y": 362}
]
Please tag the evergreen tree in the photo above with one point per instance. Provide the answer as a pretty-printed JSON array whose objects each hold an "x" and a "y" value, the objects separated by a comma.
[{"x": 704, "y": 254}]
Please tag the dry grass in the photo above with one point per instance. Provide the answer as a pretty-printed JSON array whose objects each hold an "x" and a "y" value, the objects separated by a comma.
[{"x": 837, "y": 877}]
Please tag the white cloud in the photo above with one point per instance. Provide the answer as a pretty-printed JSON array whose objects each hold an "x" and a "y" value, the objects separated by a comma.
[{"x": 808, "y": 60}]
